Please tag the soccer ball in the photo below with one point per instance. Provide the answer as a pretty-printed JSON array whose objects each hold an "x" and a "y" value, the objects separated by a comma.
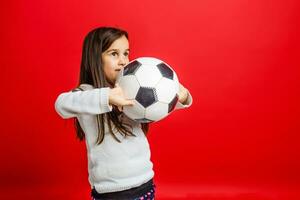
[{"x": 153, "y": 85}]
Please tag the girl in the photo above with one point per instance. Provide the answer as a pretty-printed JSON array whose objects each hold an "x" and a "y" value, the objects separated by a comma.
[{"x": 118, "y": 152}]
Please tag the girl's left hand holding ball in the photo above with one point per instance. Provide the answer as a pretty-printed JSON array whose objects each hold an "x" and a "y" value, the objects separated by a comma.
[
  {"x": 182, "y": 94},
  {"x": 117, "y": 98}
]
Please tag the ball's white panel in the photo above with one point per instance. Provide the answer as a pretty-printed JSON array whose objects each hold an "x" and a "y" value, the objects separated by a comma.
[
  {"x": 149, "y": 60},
  {"x": 120, "y": 75},
  {"x": 148, "y": 75},
  {"x": 157, "y": 111},
  {"x": 134, "y": 112},
  {"x": 152, "y": 61},
  {"x": 166, "y": 89},
  {"x": 130, "y": 86}
]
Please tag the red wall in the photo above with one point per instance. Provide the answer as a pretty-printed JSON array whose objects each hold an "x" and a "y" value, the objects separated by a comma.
[{"x": 238, "y": 58}]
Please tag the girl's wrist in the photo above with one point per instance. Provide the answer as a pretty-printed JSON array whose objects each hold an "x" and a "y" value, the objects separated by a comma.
[
  {"x": 110, "y": 96},
  {"x": 183, "y": 98}
]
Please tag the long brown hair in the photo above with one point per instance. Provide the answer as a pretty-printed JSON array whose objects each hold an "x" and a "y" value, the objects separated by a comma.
[{"x": 92, "y": 73}]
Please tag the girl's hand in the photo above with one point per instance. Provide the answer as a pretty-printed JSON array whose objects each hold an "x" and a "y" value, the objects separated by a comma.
[
  {"x": 182, "y": 94},
  {"x": 117, "y": 98}
]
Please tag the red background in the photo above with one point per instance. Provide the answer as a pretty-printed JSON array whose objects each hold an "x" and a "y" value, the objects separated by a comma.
[{"x": 238, "y": 58}]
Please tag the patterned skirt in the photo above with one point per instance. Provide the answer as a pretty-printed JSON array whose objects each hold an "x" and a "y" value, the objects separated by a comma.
[{"x": 144, "y": 192}]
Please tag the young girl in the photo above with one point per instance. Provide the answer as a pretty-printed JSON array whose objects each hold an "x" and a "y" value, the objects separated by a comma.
[{"x": 118, "y": 152}]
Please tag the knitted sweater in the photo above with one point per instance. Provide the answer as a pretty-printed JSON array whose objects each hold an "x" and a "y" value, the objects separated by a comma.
[{"x": 112, "y": 166}]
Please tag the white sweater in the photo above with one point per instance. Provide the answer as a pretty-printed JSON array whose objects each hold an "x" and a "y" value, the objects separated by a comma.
[{"x": 112, "y": 166}]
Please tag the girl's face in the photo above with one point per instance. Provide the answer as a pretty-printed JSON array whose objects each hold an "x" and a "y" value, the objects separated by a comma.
[{"x": 115, "y": 58}]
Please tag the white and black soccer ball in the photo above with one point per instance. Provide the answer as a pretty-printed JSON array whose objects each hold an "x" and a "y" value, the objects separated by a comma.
[{"x": 153, "y": 85}]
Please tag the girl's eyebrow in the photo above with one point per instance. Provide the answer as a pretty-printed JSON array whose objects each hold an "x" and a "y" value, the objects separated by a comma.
[{"x": 117, "y": 50}]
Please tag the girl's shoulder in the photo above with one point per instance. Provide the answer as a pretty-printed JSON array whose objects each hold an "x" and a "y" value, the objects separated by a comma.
[
  {"x": 86, "y": 86},
  {"x": 83, "y": 87}
]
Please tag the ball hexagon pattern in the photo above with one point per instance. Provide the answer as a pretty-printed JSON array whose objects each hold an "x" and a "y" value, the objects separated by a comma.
[{"x": 153, "y": 85}]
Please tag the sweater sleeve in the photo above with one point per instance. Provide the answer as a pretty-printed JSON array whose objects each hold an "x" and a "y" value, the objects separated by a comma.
[
  {"x": 186, "y": 104},
  {"x": 94, "y": 101}
]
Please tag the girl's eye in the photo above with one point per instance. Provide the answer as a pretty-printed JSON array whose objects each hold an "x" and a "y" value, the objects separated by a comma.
[
  {"x": 114, "y": 53},
  {"x": 126, "y": 54}
]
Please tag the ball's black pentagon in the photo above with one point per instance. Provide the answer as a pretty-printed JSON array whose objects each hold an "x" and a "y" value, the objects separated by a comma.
[
  {"x": 131, "y": 68},
  {"x": 144, "y": 120},
  {"x": 172, "y": 104},
  {"x": 146, "y": 96},
  {"x": 165, "y": 71}
]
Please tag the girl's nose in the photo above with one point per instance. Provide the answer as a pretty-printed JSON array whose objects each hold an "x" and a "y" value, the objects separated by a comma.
[{"x": 122, "y": 61}]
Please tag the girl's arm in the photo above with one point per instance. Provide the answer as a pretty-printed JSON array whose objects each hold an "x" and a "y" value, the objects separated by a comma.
[
  {"x": 87, "y": 100},
  {"x": 84, "y": 100},
  {"x": 185, "y": 99}
]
